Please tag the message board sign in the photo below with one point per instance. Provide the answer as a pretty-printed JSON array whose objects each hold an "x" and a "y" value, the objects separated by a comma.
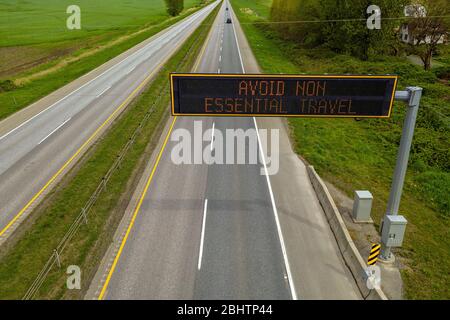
[{"x": 282, "y": 95}]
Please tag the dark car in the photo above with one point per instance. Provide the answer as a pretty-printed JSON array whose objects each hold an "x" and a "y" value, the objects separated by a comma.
[
  {"x": 226, "y": 8},
  {"x": 229, "y": 20}
]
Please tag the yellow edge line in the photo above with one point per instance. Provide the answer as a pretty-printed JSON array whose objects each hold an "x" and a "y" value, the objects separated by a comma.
[
  {"x": 136, "y": 211},
  {"x": 144, "y": 192},
  {"x": 203, "y": 50},
  {"x": 127, "y": 100}
]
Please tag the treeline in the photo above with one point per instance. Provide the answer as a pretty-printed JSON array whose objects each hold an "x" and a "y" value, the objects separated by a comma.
[
  {"x": 174, "y": 7},
  {"x": 341, "y": 24}
]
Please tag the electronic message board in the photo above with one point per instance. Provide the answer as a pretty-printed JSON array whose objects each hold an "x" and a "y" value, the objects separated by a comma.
[{"x": 282, "y": 95}]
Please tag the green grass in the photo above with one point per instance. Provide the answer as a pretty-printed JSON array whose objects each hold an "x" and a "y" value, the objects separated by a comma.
[
  {"x": 33, "y": 38},
  {"x": 44, "y": 22},
  {"x": 443, "y": 55},
  {"x": 361, "y": 154},
  {"x": 32, "y": 30},
  {"x": 23, "y": 260}
]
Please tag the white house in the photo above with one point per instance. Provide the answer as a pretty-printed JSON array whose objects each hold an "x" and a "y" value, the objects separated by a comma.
[{"x": 414, "y": 10}]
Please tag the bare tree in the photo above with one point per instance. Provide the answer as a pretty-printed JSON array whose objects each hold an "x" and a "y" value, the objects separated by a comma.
[{"x": 427, "y": 28}]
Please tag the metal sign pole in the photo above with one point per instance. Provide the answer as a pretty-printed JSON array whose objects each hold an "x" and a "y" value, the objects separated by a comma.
[{"x": 412, "y": 96}]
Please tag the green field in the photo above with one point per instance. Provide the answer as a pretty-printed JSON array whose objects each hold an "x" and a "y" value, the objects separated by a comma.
[
  {"x": 361, "y": 154},
  {"x": 37, "y": 29},
  {"x": 39, "y": 54},
  {"x": 39, "y": 22}
]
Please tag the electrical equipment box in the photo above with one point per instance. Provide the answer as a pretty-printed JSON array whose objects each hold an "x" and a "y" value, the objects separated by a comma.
[
  {"x": 393, "y": 230},
  {"x": 362, "y": 205}
]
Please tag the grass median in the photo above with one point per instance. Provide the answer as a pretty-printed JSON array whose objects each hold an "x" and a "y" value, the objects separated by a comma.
[
  {"x": 22, "y": 260},
  {"x": 355, "y": 155}
]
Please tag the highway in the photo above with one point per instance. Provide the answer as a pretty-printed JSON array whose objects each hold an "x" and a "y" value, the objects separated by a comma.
[
  {"x": 41, "y": 143},
  {"x": 224, "y": 231}
]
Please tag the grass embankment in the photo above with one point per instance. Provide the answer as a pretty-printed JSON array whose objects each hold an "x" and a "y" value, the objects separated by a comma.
[
  {"x": 361, "y": 154},
  {"x": 39, "y": 54},
  {"x": 22, "y": 262}
]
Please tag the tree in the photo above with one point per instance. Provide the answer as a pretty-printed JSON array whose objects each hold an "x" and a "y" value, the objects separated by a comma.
[
  {"x": 174, "y": 7},
  {"x": 292, "y": 14},
  {"x": 347, "y": 31},
  {"x": 339, "y": 24},
  {"x": 427, "y": 28}
]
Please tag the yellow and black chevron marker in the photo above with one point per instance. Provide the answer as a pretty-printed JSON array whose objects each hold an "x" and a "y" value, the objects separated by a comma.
[{"x": 374, "y": 253}]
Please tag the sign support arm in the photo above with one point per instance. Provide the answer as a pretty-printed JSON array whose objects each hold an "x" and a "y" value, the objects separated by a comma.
[{"x": 412, "y": 96}]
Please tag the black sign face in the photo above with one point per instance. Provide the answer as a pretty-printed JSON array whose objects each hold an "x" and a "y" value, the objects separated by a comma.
[{"x": 282, "y": 95}]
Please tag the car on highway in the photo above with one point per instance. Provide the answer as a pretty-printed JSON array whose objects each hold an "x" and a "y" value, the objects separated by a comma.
[{"x": 229, "y": 20}]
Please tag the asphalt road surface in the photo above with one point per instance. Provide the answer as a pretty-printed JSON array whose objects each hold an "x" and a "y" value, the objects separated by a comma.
[
  {"x": 36, "y": 151},
  {"x": 224, "y": 231}
]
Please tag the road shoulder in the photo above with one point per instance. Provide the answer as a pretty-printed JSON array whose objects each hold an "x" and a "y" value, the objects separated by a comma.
[{"x": 319, "y": 271}]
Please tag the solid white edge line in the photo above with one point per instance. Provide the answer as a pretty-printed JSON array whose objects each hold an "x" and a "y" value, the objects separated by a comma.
[
  {"x": 202, "y": 236},
  {"x": 54, "y": 130},
  {"x": 239, "y": 50},
  {"x": 277, "y": 221},
  {"x": 154, "y": 41},
  {"x": 272, "y": 198}
]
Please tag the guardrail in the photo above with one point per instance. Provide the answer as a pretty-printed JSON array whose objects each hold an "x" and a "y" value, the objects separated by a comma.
[
  {"x": 84, "y": 212},
  {"x": 347, "y": 247}
]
